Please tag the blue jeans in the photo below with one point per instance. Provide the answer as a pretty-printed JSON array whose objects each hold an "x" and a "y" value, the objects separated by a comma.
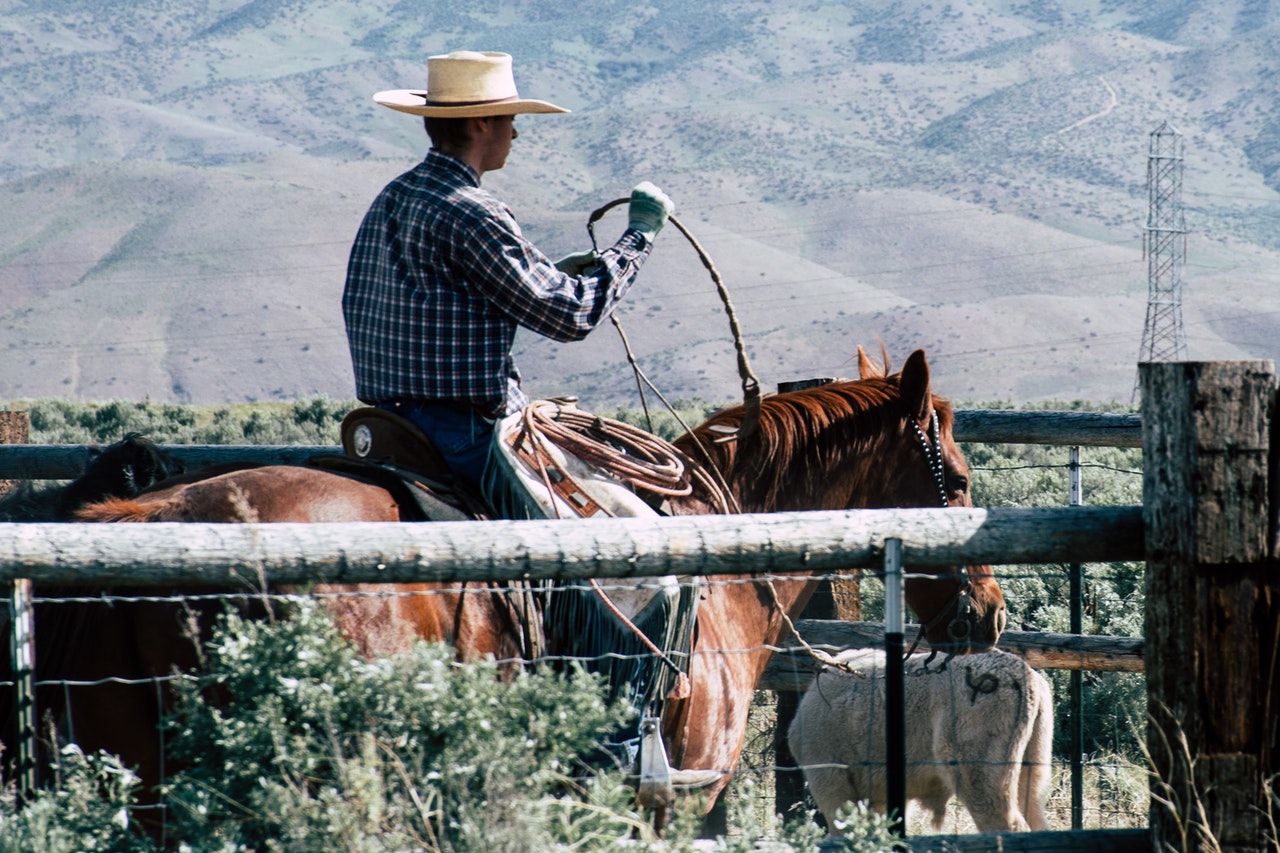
[{"x": 461, "y": 434}]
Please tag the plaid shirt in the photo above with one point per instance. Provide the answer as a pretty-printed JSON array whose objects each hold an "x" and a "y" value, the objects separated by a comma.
[{"x": 440, "y": 277}]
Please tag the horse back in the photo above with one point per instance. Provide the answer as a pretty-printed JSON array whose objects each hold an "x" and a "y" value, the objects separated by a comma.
[{"x": 258, "y": 494}]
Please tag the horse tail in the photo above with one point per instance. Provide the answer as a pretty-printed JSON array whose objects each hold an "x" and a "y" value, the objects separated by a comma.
[{"x": 120, "y": 509}]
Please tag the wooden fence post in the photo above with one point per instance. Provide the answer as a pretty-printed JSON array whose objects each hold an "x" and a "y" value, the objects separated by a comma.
[
  {"x": 15, "y": 428},
  {"x": 1212, "y": 601}
]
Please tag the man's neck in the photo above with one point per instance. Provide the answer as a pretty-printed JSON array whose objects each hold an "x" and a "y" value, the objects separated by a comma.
[{"x": 461, "y": 157}]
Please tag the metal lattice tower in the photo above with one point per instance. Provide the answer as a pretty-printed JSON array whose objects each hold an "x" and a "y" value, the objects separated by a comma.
[{"x": 1165, "y": 246}]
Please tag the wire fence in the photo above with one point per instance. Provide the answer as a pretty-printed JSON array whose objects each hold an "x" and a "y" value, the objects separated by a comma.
[
  {"x": 1111, "y": 709},
  {"x": 1114, "y": 791}
]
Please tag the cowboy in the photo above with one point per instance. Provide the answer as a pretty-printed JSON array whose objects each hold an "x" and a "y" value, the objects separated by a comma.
[{"x": 440, "y": 276}]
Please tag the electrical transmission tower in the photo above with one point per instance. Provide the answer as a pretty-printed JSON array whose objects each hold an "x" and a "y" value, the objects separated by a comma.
[{"x": 1164, "y": 244}]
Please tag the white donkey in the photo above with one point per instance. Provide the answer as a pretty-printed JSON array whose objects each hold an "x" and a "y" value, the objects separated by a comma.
[{"x": 982, "y": 729}]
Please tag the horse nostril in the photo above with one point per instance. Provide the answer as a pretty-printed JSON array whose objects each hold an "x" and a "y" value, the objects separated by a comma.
[{"x": 960, "y": 628}]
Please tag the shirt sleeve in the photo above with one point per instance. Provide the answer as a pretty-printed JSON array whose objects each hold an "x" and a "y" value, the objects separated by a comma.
[{"x": 517, "y": 279}]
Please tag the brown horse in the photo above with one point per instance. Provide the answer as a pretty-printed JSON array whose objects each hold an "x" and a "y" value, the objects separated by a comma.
[
  {"x": 869, "y": 443},
  {"x": 880, "y": 441}
]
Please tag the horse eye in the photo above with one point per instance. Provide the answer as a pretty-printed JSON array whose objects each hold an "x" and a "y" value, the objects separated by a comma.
[{"x": 959, "y": 484}]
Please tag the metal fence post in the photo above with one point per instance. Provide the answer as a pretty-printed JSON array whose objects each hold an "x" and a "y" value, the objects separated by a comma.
[
  {"x": 895, "y": 710},
  {"x": 1076, "y": 728}
]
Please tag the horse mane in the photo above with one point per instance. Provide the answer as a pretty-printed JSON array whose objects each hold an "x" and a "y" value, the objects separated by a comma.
[{"x": 830, "y": 424}]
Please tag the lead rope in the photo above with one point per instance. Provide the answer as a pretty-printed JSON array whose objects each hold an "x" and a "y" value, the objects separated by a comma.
[{"x": 822, "y": 657}]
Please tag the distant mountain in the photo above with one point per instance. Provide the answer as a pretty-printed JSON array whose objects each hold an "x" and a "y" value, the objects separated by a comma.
[{"x": 180, "y": 183}]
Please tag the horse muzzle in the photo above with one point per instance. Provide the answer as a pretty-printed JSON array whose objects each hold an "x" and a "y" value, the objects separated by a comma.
[{"x": 969, "y": 625}]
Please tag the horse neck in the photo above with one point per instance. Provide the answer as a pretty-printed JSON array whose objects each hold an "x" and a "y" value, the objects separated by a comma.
[
  {"x": 765, "y": 611},
  {"x": 796, "y": 462}
]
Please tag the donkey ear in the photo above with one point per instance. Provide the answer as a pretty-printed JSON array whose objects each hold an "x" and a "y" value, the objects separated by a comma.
[{"x": 914, "y": 386}]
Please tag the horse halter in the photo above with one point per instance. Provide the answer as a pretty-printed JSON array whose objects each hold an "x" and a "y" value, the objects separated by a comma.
[
  {"x": 959, "y": 628},
  {"x": 932, "y": 446}
]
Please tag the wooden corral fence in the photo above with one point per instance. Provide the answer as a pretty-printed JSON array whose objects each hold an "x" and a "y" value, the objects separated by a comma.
[{"x": 1206, "y": 530}]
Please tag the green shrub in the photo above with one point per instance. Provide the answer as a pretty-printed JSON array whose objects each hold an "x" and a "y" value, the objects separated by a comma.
[
  {"x": 86, "y": 809},
  {"x": 312, "y": 747},
  {"x": 313, "y": 421},
  {"x": 293, "y": 742}
]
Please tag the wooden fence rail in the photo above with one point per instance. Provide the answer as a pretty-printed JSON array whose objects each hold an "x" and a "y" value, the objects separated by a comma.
[
  {"x": 792, "y": 668},
  {"x": 1098, "y": 429},
  {"x": 178, "y": 554}
]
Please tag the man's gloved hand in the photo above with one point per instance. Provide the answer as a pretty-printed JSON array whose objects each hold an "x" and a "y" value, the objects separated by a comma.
[
  {"x": 649, "y": 210},
  {"x": 577, "y": 263}
]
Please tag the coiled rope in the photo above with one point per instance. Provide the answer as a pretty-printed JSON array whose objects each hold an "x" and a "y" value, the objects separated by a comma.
[{"x": 629, "y": 453}]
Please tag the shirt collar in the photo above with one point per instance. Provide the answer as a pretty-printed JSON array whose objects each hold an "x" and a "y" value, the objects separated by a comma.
[{"x": 439, "y": 160}]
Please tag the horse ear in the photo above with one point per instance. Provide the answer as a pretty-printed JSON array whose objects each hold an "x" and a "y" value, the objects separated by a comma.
[
  {"x": 914, "y": 386},
  {"x": 866, "y": 370}
]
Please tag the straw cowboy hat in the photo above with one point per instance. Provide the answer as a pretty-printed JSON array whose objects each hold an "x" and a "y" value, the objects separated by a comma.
[{"x": 464, "y": 84}]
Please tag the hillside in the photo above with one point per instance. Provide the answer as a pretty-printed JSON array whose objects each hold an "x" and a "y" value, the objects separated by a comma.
[{"x": 180, "y": 183}]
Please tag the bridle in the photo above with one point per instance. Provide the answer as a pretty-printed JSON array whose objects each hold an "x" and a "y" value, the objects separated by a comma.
[
  {"x": 959, "y": 628},
  {"x": 932, "y": 446}
]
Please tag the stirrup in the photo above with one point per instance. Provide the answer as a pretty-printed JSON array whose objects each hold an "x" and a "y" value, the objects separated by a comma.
[
  {"x": 658, "y": 782},
  {"x": 690, "y": 780},
  {"x": 655, "y": 788}
]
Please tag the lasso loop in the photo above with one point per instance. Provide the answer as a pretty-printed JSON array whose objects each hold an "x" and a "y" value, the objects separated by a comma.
[{"x": 750, "y": 384}]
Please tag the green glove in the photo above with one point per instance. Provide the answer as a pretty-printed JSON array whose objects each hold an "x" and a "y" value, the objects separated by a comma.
[
  {"x": 577, "y": 263},
  {"x": 649, "y": 210}
]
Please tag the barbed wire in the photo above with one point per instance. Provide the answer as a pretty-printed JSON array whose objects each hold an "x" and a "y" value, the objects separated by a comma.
[
  {"x": 1019, "y": 572},
  {"x": 1065, "y": 468}
]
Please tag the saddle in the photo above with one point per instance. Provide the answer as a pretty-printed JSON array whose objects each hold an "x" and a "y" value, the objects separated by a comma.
[
  {"x": 377, "y": 434},
  {"x": 390, "y": 451}
]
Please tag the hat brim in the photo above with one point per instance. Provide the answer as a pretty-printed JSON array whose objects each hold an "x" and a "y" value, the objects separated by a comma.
[{"x": 415, "y": 103}]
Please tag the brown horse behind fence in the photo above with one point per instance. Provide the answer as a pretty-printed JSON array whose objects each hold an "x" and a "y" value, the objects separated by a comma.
[{"x": 879, "y": 441}]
